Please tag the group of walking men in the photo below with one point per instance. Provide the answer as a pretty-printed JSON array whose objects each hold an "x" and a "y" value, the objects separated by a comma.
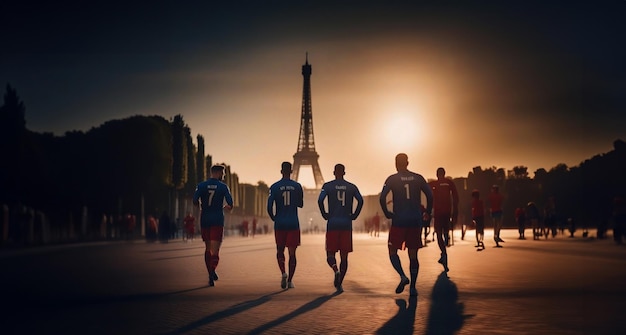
[{"x": 400, "y": 200}]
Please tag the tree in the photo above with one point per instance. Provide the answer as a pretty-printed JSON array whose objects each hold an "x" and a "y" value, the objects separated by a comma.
[
  {"x": 201, "y": 169},
  {"x": 12, "y": 133},
  {"x": 12, "y": 114},
  {"x": 179, "y": 153},
  {"x": 192, "y": 174},
  {"x": 520, "y": 172}
]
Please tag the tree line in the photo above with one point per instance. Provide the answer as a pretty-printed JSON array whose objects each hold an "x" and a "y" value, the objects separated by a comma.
[
  {"x": 113, "y": 169},
  {"x": 150, "y": 162}
]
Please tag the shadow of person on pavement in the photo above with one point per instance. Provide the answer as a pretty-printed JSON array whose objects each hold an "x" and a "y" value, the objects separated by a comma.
[
  {"x": 446, "y": 314},
  {"x": 309, "y": 306},
  {"x": 403, "y": 321},
  {"x": 239, "y": 308}
]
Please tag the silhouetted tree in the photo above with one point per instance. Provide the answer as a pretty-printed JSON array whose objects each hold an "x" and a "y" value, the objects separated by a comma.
[
  {"x": 200, "y": 160},
  {"x": 179, "y": 152},
  {"x": 12, "y": 133},
  {"x": 192, "y": 174},
  {"x": 520, "y": 172}
]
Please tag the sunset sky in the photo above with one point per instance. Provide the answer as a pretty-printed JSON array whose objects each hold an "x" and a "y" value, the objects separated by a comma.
[{"x": 501, "y": 83}]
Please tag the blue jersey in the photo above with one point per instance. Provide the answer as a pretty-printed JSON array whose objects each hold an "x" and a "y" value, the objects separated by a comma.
[
  {"x": 285, "y": 196},
  {"x": 406, "y": 188},
  {"x": 341, "y": 195},
  {"x": 211, "y": 195}
]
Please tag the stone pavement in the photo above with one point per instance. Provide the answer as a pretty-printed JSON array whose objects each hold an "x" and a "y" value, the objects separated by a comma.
[{"x": 554, "y": 286}]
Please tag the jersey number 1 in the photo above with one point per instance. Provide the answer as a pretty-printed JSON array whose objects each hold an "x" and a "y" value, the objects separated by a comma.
[{"x": 286, "y": 198}]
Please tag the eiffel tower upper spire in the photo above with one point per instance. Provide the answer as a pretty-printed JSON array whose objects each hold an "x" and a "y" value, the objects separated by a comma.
[{"x": 306, "y": 154}]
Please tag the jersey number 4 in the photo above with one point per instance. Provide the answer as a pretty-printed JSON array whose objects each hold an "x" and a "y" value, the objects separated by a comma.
[{"x": 341, "y": 196}]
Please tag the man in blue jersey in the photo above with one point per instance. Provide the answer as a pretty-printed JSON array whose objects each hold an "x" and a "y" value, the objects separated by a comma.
[
  {"x": 341, "y": 195},
  {"x": 407, "y": 217},
  {"x": 285, "y": 197},
  {"x": 210, "y": 196}
]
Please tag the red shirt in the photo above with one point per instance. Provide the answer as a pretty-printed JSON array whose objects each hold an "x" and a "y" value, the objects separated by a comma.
[
  {"x": 189, "y": 221},
  {"x": 445, "y": 196},
  {"x": 495, "y": 200},
  {"x": 477, "y": 208}
]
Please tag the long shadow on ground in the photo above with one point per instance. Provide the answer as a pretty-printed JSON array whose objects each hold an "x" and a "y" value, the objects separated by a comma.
[{"x": 446, "y": 313}]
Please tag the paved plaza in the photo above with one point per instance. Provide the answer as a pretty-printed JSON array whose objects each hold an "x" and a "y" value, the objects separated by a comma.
[{"x": 554, "y": 286}]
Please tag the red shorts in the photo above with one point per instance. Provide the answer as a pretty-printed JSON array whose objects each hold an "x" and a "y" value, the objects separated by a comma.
[
  {"x": 212, "y": 233},
  {"x": 288, "y": 238},
  {"x": 405, "y": 237},
  {"x": 442, "y": 222},
  {"x": 339, "y": 240}
]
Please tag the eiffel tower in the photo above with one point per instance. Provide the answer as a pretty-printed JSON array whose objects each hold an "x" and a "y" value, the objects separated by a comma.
[{"x": 306, "y": 154}]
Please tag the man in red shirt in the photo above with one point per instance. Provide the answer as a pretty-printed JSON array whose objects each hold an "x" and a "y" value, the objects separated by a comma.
[
  {"x": 495, "y": 200},
  {"x": 190, "y": 226},
  {"x": 446, "y": 209},
  {"x": 478, "y": 217}
]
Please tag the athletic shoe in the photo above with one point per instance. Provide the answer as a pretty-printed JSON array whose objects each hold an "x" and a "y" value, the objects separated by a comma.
[
  {"x": 441, "y": 259},
  {"x": 444, "y": 261},
  {"x": 413, "y": 292},
  {"x": 404, "y": 281},
  {"x": 290, "y": 285},
  {"x": 214, "y": 275},
  {"x": 337, "y": 281},
  {"x": 211, "y": 283},
  {"x": 283, "y": 281}
]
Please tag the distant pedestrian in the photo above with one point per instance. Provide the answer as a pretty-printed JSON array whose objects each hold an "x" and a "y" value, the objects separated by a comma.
[
  {"x": 244, "y": 227},
  {"x": 254, "y": 224},
  {"x": 446, "y": 210},
  {"x": 495, "y": 205},
  {"x": 190, "y": 227},
  {"x": 478, "y": 216},
  {"x": 520, "y": 219},
  {"x": 406, "y": 217},
  {"x": 426, "y": 231},
  {"x": 164, "y": 227},
  {"x": 376, "y": 224},
  {"x": 340, "y": 195},
  {"x": 285, "y": 197},
  {"x": 130, "y": 222},
  {"x": 550, "y": 218},
  {"x": 210, "y": 196},
  {"x": 532, "y": 216},
  {"x": 151, "y": 231}
]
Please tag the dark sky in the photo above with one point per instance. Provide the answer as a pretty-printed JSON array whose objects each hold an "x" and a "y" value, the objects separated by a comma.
[{"x": 532, "y": 83}]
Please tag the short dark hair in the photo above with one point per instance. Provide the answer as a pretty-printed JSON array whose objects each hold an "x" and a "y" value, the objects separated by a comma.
[
  {"x": 340, "y": 168},
  {"x": 285, "y": 167},
  {"x": 402, "y": 157},
  {"x": 217, "y": 168}
]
